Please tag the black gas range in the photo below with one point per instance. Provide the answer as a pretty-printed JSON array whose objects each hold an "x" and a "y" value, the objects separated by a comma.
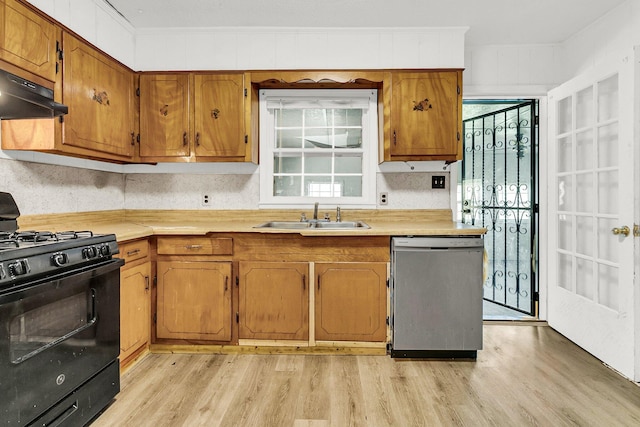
[
  {"x": 59, "y": 323},
  {"x": 28, "y": 255}
]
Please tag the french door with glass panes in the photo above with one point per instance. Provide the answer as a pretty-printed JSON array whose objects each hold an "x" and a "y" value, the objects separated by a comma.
[{"x": 592, "y": 146}]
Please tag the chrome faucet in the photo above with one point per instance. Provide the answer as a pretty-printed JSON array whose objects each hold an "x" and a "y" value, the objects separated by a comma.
[{"x": 315, "y": 211}]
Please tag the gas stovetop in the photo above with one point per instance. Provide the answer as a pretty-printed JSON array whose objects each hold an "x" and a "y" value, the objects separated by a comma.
[{"x": 26, "y": 255}]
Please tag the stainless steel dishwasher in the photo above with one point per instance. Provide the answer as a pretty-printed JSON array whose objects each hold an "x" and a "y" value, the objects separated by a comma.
[{"x": 436, "y": 296}]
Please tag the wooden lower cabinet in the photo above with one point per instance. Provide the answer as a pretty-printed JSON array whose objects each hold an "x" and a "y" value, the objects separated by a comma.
[
  {"x": 194, "y": 300},
  {"x": 273, "y": 300},
  {"x": 351, "y": 301},
  {"x": 135, "y": 308}
]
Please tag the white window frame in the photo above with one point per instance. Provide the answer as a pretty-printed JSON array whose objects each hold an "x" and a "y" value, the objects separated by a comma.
[{"x": 368, "y": 97}]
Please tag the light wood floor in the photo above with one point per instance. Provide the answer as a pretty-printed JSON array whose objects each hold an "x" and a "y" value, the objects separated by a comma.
[{"x": 526, "y": 375}]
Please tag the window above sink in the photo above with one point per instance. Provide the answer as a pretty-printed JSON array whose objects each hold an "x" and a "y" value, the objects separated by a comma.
[{"x": 318, "y": 144}]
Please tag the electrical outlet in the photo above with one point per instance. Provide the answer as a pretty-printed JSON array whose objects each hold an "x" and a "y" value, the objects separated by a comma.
[
  {"x": 384, "y": 198},
  {"x": 437, "y": 181},
  {"x": 205, "y": 200}
]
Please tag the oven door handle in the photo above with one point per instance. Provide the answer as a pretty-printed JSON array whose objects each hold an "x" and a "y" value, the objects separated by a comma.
[{"x": 92, "y": 320}]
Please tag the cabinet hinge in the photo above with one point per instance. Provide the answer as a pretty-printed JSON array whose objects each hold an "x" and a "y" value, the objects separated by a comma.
[
  {"x": 59, "y": 51},
  {"x": 237, "y": 317},
  {"x": 458, "y": 136},
  {"x": 387, "y": 320},
  {"x": 57, "y": 67},
  {"x": 458, "y": 90},
  {"x": 536, "y": 296},
  {"x": 138, "y": 138},
  {"x": 245, "y": 92},
  {"x": 387, "y": 283},
  {"x": 155, "y": 317},
  {"x": 246, "y": 139},
  {"x": 237, "y": 281},
  {"x": 138, "y": 91},
  {"x": 155, "y": 278},
  {"x": 61, "y": 119},
  {"x": 536, "y": 208}
]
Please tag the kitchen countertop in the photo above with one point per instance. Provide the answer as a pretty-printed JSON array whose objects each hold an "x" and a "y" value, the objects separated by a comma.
[{"x": 134, "y": 224}]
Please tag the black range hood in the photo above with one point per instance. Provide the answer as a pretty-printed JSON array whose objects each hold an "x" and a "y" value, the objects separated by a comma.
[{"x": 23, "y": 99}]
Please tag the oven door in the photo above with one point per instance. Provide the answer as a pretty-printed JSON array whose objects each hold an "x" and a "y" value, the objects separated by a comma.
[{"x": 55, "y": 334}]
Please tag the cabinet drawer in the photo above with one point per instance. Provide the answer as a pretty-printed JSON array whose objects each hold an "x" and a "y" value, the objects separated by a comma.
[
  {"x": 195, "y": 246},
  {"x": 132, "y": 251}
]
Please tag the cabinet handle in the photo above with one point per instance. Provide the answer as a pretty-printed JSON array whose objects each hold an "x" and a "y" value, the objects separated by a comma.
[
  {"x": 304, "y": 282},
  {"x": 193, "y": 247},
  {"x": 394, "y": 138},
  {"x": 146, "y": 283},
  {"x": 185, "y": 141},
  {"x": 318, "y": 282},
  {"x": 133, "y": 138},
  {"x": 198, "y": 139},
  {"x": 226, "y": 283},
  {"x": 133, "y": 252}
]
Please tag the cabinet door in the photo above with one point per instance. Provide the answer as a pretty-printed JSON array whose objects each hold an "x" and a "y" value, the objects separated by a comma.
[
  {"x": 135, "y": 303},
  {"x": 274, "y": 300},
  {"x": 194, "y": 300},
  {"x": 99, "y": 94},
  {"x": 164, "y": 115},
  {"x": 351, "y": 301},
  {"x": 28, "y": 40},
  {"x": 425, "y": 114},
  {"x": 219, "y": 115}
]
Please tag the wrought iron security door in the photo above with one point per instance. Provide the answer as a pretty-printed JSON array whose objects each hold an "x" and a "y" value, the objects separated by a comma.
[{"x": 499, "y": 193}]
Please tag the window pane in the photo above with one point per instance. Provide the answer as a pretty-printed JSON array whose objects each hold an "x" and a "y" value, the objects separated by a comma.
[
  {"x": 288, "y": 118},
  {"x": 317, "y": 138},
  {"x": 348, "y": 138},
  {"x": 287, "y": 163},
  {"x": 349, "y": 164},
  {"x": 347, "y": 117},
  {"x": 286, "y": 185},
  {"x": 351, "y": 185},
  {"x": 288, "y": 138},
  {"x": 321, "y": 186},
  {"x": 316, "y": 117},
  {"x": 314, "y": 164}
]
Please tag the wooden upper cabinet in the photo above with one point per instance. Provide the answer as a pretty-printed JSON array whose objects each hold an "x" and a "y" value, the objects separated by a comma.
[
  {"x": 424, "y": 113},
  {"x": 100, "y": 95},
  {"x": 164, "y": 115},
  {"x": 193, "y": 117},
  {"x": 27, "y": 40},
  {"x": 219, "y": 115}
]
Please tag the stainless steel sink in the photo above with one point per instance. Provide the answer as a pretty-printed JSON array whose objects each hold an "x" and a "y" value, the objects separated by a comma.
[
  {"x": 342, "y": 225},
  {"x": 289, "y": 225},
  {"x": 326, "y": 225}
]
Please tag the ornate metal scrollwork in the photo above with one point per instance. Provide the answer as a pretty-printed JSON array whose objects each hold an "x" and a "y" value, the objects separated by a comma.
[
  {"x": 101, "y": 98},
  {"x": 215, "y": 113}
]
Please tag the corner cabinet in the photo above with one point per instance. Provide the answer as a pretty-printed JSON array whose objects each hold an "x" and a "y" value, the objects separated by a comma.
[
  {"x": 27, "y": 40},
  {"x": 273, "y": 300},
  {"x": 102, "y": 119},
  {"x": 135, "y": 300},
  {"x": 351, "y": 301},
  {"x": 193, "y": 117},
  {"x": 422, "y": 115}
]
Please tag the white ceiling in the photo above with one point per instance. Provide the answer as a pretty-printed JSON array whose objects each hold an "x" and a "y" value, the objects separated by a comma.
[{"x": 489, "y": 21}]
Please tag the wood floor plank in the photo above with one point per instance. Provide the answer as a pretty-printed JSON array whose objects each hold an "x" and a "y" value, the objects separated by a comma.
[{"x": 526, "y": 375}]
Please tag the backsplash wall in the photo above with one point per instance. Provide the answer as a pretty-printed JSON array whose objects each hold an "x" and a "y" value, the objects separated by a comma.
[{"x": 43, "y": 189}]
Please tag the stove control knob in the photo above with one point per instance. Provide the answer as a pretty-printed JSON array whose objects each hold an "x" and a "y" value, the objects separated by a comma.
[
  {"x": 105, "y": 250},
  {"x": 90, "y": 252},
  {"x": 18, "y": 268},
  {"x": 59, "y": 259}
]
